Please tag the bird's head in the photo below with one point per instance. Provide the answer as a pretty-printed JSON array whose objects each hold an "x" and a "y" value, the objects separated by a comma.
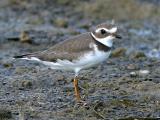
[{"x": 105, "y": 33}]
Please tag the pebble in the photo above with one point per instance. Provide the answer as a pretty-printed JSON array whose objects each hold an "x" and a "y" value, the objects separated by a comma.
[
  {"x": 133, "y": 74},
  {"x": 22, "y": 84},
  {"x": 131, "y": 67},
  {"x": 26, "y": 84},
  {"x": 144, "y": 72},
  {"x": 5, "y": 114},
  {"x": 24, "y": 37},
  {"x": 139, "y": 73},
  {"x": 7, "y": 65},
  {"x": 137, "y": 55},
  {"x": 118, "y": 52},
  {"x": 61, "y": 22}
]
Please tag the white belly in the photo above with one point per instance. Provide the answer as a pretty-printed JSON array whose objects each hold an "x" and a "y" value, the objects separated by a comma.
[
  {"x": 88, "y": 60},
  {"x": 92, "y": 59}
]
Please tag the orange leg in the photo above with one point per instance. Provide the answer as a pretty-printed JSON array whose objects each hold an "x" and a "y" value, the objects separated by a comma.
[{"x": 77, "y": 94}]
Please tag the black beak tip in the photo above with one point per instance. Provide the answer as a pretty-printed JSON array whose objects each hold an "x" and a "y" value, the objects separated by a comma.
[{"x": 118, "y": 36}]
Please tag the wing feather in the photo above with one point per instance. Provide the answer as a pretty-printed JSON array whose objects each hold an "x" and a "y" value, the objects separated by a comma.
[{"x": 69, "y": 49}]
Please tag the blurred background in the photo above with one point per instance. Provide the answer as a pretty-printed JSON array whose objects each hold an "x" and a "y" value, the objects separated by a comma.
[
  {"x": 127, "y": 85},
  {"x": 58, "y": 19}
]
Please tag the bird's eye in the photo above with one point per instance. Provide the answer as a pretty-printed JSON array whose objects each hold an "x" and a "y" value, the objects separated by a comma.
[{"x": 103, "y": 32}]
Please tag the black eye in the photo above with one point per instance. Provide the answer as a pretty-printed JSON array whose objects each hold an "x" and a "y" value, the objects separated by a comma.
[{"x": 103, "y": 32}]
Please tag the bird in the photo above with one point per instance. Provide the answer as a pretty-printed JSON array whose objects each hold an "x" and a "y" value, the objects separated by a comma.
[{"x": 77, "y": 53}]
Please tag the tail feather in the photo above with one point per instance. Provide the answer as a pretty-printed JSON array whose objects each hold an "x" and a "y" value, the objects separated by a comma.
[
  {"x": 19, "y": 56},
  {"x": 22, "y": 56}
]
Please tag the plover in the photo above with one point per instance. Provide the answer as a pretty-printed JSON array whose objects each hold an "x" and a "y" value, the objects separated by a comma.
[{"x": 77, "y": 53}]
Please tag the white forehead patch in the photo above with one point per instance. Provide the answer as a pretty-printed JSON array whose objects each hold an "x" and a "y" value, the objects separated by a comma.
[{"x": 112, "y": 30}]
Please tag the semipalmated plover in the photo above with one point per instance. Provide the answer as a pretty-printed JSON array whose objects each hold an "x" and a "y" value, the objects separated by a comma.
[{"x": 77, "y": 53}]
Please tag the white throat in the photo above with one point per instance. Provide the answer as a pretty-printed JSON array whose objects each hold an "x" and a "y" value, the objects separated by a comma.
[{"x": 108, "y": 41}]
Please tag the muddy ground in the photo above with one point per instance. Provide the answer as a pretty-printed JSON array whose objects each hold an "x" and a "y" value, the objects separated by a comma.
[{"x": 126, "y": 86}]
